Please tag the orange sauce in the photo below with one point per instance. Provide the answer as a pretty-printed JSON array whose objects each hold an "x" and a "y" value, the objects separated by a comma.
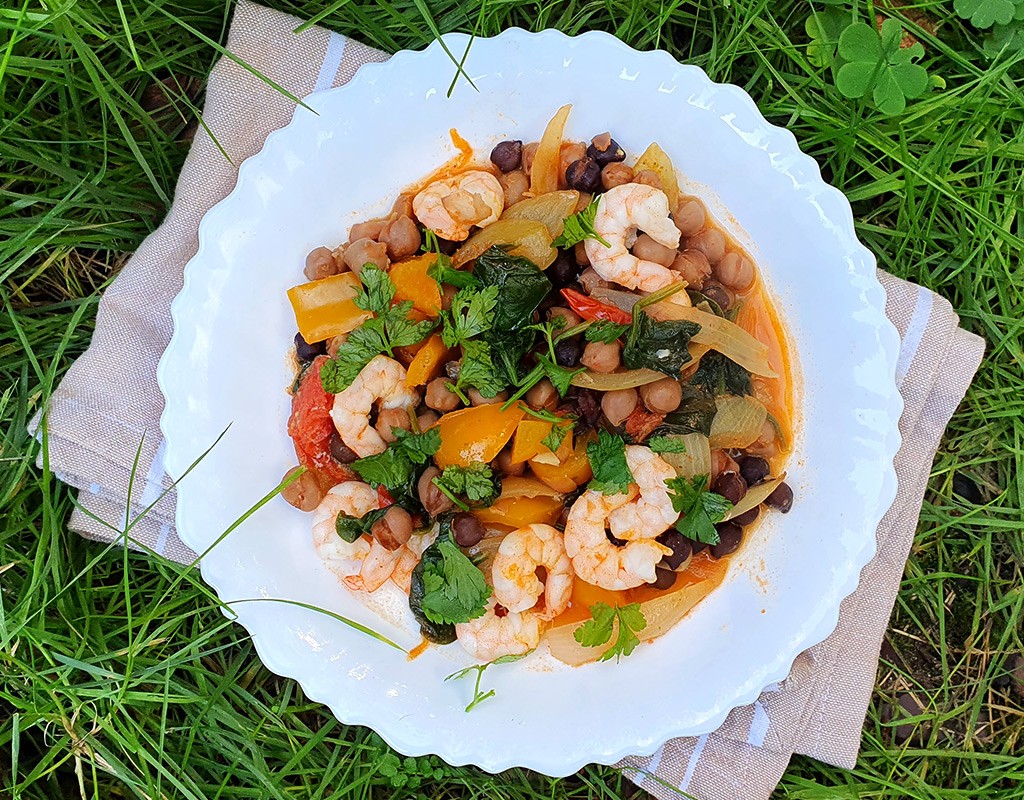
[{"x": 418, "y": 650}]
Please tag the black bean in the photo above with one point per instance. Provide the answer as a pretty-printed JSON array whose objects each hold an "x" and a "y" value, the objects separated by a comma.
[
  {"x": 584, "y": 175},
  {"x": 747, "y": 517},
  {"x": 305, "y": 351},
  {"x": 340, "y": 451},
  {"x": 467, "y": 530},
  {"x": 664, "y": 578},
  {"x": 615, "y": 541},
  {"x": 564, "y": 271},
  {"x": 507, "y": 155},
  {"x": 754, "y": 469},
  {"x": 781, "y": 498},
  {"x": 551, "y": 299},
  {"x": 729, "y": 537},
  {"x": 731, "y": 486},
  {"x": 568, "y": 352},
  {"x": 696, "y": 546},
  {"x": 607, "y": 154},
  {"x": 718, "y": 293},
  {"x": 680, "y": 547}
]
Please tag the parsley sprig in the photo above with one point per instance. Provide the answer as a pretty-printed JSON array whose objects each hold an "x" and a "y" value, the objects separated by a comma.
[
  {"x": 701, "y": 508},
  {"x": 454, "y": 589},
  {"x": 626, "y": 621},
  {"x": 667, "y": 444},
  {"x": 560, "y": 426},
  {"x": 475, "y": 482},
  {"x": 395, "y": 468},
  {"x": 547, "y": 365},
  {"x": 579, "y": 227},
  {"x": 388, "y": 329},
  {"x": 607, "y": 458},
  {"x": 478, "y": 696}
]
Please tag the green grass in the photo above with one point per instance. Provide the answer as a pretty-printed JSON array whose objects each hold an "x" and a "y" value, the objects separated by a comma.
[{"x": 119, "y": 677}]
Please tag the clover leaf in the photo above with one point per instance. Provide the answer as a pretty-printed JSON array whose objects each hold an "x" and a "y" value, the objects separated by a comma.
[
  {"x": 876, "y": 63},
  {"x": 825, "y": 28},
  {"x": 986, "y": 13},
  {"x": 1005, "y": 37}
]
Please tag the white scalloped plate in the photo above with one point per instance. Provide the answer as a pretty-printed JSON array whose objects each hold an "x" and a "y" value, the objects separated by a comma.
[{"x": 227, "y": 363}]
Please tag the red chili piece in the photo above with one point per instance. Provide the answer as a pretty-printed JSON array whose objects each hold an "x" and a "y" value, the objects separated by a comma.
[{"x": 591, "y": 309}]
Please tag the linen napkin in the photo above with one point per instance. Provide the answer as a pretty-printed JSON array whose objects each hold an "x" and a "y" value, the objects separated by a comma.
[{"x": 103, "y": 421}]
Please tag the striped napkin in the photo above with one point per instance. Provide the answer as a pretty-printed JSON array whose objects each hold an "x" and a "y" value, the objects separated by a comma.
[{"x": 109, "y": 402}]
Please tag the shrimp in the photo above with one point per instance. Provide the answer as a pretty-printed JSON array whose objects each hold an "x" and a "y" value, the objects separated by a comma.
[
  {"x": 652, "y": 513},
  {"x": 382, "y": 379},
  {"x": 624, "y": 210},
  {"x": 451, "y": 206},
  {"x": 595, "y": 558},
  {"x": 495, "y": 634},
  {"x": 514, "y": 571},
  {"x": 363, "y": 564},
  {"x": 411, "y": 553}
]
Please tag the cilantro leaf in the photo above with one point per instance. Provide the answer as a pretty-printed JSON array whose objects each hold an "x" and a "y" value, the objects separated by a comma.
[
  {"x": 351, "y": 528},
  {"x": 580, "y": 226},
  {"x": 666, "y": 444},
  {"x": 478, "y": 369},
  {"x": 478, "y": 696},
  {"x": 443, "y": 272},
  {"x": 378, "y": 290},
  {"x": 701, "y": 508},
  {"x": 365, "y": 342},
  {"x": 403, "y": 331},
  {"x": 554, "y": 439},
  {"x": 608, "y": 461},
  {"x": 605, "y": 619},
  {"x": 454, "y": 589},
  {"x": 476, "y": 482},
  {"x": 395, "y": 467},
  {"x": 604, "y": 331},
  {"x": 471, "y": 314},
  {"x": 560, "y": 377}
]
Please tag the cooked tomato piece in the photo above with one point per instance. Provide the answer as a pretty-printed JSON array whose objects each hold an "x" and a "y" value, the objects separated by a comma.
[{"x": 311, "y": 427}]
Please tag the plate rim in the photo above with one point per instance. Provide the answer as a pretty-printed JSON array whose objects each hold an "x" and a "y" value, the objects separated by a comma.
[{"x": 889, "y": 345}]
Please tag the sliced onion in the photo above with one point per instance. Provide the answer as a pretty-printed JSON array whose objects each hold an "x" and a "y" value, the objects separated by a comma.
[
  {"x": 614, "y": 297},
  {"x": 526, "y": 238},
  {"x": 613, "y": 381},
  {"x": 544, "y": 171},
  {"x": 551, "y": 209},
  {"x": 720, "y": 334},
  {"x": 754, "y": 497},
  {"x": 737, "y": 422},
  {"x": 657, "y": 160},
  {"x": 697, "y": 458}
]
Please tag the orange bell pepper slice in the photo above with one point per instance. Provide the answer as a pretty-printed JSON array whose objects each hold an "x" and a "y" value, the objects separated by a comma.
[
  {"x": 573, "y": 469},
  {"x": 413, "y": 283},
  {"x": 519, "y": 511},
  {"x": 427, "y": 363},
  {"x": 326, "y": 308},
  {"x": 476, "y": 435}
]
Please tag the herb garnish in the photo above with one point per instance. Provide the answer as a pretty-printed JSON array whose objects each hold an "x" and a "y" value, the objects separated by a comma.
[
  {"x": 666, "y": 444},
  {"x": 478, "y": 696},
  {"x": 607, "y": 458},
  {"x": 701, "y": 508},
  {"x": 390, "y": 328},
  {"x": 579, "y": 227},
  {"x": 351, "y": 528},
  {"x": 454, "y": 589},
  {"x": 603, "y": 330},
  {"x": 395, "y": 468},
  {"x": 475, "y": 482},
  {"x": 628, "y": 620}
]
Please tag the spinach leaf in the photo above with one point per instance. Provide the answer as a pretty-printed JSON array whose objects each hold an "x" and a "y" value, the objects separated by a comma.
[
  {"x": 694, "y": 414},
  {"x": 696, "y": 298},
  {"x": 659, "y": 345},
  {"x": 521, "y": 288},
  {"x": 351, "y": 528},
  {"x": 718, "y": 374}
]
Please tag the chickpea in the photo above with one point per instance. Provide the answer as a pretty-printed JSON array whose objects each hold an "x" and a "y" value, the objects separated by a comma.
[
  {"x": 336, "y": 342},
  {"x": 718, "y": 293},
  {"x": 690, "y": 216},
  {"x": 366, "y": 230},
  {"x": 388, "y": 418},
  {"x": 542, "y": 395},
  {"x": 426, "y": 419},
  {"x": 503, "y": 463},
  {"x": 433, "y": 499},
  {"x": 366, "y": 251},
  {"x": 662, "y": 397},
  {"x": 339, "y": 257},
  {"x": 402, "y": 237},
  {"x": 590, "y": 280},
  {"x": 618, "y": 405},
  {"x": 529, "y": 152},
  {"x": 447, "y": 296},
  {"x": 572, "y": 319},
  {"x": 393, "y": 529},
  {"x": 515, "y": 185},
  {"x": 694, "y": 266},
  {"x": 735, "y": 271},
  {"x": 616, "y": 174},
  {"x": 569, "y": 152},
  {"x": 439, "y": 397},
  {"x": 320, "y": 264},
  {"x": 648, "y": 177},
  {"x": 402, "y": 206},
  {"x": 646, "y": 249},
  {"x": 579, "y": 252},
  {"x": 601, "y": 357},
  {"x": 304, "y": 492},
  {"x": 478, "y": 399},
  {"x": 710, "y": 242}
]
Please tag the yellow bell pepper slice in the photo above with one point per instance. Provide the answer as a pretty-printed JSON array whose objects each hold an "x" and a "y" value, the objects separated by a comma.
[
  {"x": 476, "y": 434},
  {"x": 326, "y": 308}
]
